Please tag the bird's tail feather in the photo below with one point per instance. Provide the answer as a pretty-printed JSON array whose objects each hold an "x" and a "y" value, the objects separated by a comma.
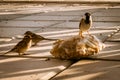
[
  {"x": 7, "y": 52},
  {"x": 50, "y": 39}
]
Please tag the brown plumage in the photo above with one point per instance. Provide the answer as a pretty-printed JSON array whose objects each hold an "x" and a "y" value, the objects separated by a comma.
[
  {"x": 22, "y": 46},
  {"x": 36, "y": 38},
  {"x": 85, "y": 24}
]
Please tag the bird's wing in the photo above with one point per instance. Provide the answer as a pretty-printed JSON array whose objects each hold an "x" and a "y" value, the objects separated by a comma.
[
  {"x": 40, "y": 37},
  {"x": 81, "y": 22},
  {"x": 21, "y": 44},
  {"x": 36, "y": 36}
]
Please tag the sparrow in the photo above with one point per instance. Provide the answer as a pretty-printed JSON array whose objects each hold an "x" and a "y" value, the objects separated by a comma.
[
  {"x": 36, "y": 38},
  {"x": 85, "y": 24},
  {"x": 22, "y": 46}
]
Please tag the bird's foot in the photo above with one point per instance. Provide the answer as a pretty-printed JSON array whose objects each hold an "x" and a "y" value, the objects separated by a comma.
[
  {"x": 23, "y": 54},
  {"x": 90, "y": 35},
  {"x": 82, "y": 37},
  {"x": 26, "y": 54},
  {"x": 47, "y": 59}
]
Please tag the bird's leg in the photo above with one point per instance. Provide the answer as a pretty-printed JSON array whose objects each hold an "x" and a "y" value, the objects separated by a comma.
[
  {"x": 81, "y": 35},
  {"x": 79, "y": 32},
  {"x": 19, "y": 54}
]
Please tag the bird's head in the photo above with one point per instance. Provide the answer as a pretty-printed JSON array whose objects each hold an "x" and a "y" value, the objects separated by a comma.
[
  {"x": 28, "y": 33},
  {"x": 87, "y": 14},
  {"x": 27, "y": 37}
]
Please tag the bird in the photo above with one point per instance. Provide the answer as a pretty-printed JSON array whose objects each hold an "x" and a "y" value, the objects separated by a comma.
[
  {"x": 85, "y": 24},
  {"x": 22, "y": 46},
  {"x": 36, "y": 38}
]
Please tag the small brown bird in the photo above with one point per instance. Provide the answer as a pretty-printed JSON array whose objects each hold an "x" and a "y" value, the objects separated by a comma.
[
  {"x": 36, "y": 38},
  {"x": 22, "y": 46},
  {"x": 85, "y": 24}
]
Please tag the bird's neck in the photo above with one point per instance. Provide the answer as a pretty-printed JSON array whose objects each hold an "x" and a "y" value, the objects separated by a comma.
[{"x": 87, "y": 20}]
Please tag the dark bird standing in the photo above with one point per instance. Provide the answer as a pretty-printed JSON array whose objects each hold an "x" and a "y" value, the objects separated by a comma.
[
  {"x": 36, "y": 38},
  {"x": 22, "y": 46},
  {"x": 85, "y": 24}
]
